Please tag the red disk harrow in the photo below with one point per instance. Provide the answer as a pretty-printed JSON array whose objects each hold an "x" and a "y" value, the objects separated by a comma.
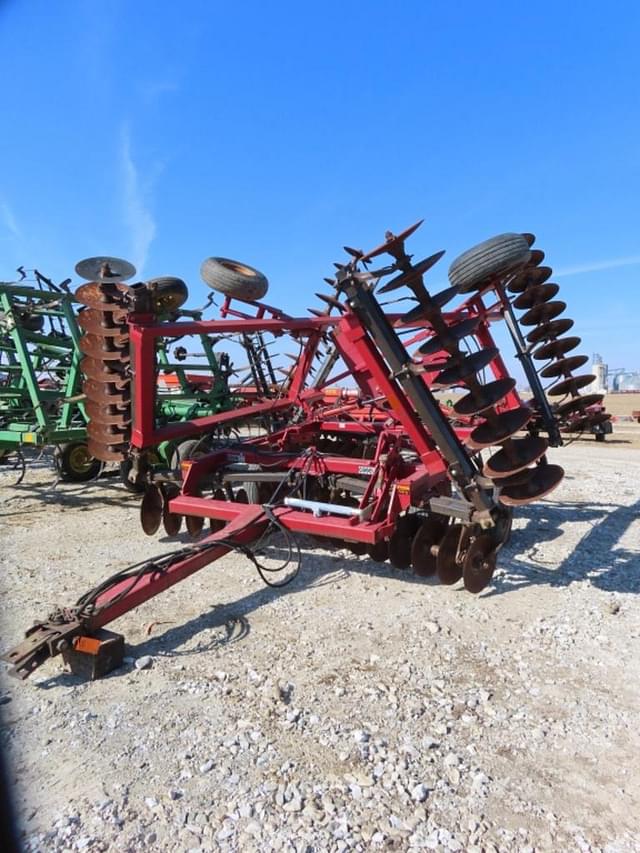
[{"x": 383, "y": 467}]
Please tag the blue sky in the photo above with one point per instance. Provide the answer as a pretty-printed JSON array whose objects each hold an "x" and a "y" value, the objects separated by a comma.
[{"x": 275, "y": 133}]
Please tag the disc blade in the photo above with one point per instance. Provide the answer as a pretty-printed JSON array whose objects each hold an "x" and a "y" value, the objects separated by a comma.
[
  {"x": 479, "y": 563},
  {"x": 459, "y": 369},
  {"x": 394, "y": 242},
  {"x": 151, "y": 509},
  {"x": 564, "y": 366},
  {"x": 485, "y": 397},
  {"x": 453, "y": 335},
  {"x": 104, "y": 348},
  {"x": 530, "y": 238},
  {"x": 100, "y": 323},
  {"x": 107, "y": 452},
  {"x": 400, "y": 541},
  {"x": 194, "y": 524},
  {"x": 106, "y": 413},
  {"x": 543, "y": 479},
  {"x": 448, "y": 566},
  {"x": 105, "y": 268},
  {"x": 99, "y": 372},
  {"x": 502, "y": 427},
  {"x": 550, "y": 330},
  {"x": 107, "y": 433},
  {"x": 571, "y": 385},
  {"x": 537, "y": 257},
  {"x": 556, "y": 348},
  {"x": 426, "y": 539},
  {"x": 528, "y": 276},
  {"x": 536, "y": 295},
  {"x": 332, "y": 302},
  {"x": 517, "y": 455},
  {"x": 379, "y": 552},
  {"x": 578, "y": 404},
  {"x": 543, "y": 313},
  {"x": 171, "y": 521},
  {"x": 104, "y": 393},
  {"x": 102, "y": 296},
  {"x": 409, "y": 277}
]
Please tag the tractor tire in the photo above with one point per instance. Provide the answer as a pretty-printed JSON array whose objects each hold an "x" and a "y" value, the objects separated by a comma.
[
  {"x": 75, "y": 464},
  {"x": 191, "y": 448},
  {"x": 234, "y": 279},
  {"x": 487, "y": 261}
]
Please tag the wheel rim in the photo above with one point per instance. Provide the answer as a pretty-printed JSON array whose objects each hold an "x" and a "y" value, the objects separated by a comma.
[{"x": 80, "y": 460}]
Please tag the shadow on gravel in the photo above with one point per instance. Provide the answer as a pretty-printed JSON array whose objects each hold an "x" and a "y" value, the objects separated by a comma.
[
  {"x": 596, "y": 558},
  {"x": 80, "y": 496}
]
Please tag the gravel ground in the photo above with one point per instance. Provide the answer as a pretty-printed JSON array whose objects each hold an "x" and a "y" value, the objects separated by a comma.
[{"x": 358, "y": 709}]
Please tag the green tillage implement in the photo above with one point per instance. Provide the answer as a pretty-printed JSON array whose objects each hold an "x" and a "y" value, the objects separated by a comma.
[{"x": 40, "y": 381}]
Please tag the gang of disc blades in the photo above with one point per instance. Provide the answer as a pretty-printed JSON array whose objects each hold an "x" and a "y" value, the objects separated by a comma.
[
  {"x": 448, "y": 569},
  {"x": 578, "y": 404},
  {"x": 535, "y": 295},
  {"x": 564, "y": 366},
  {"x": 151, "y": 509},
  {"x": 105, "y": 268},
  {"x": 528, "y": 276},
  {"x": 100, "y": 323},
  {"x": 503, "y": 426},
  {"x": 543, "y": 479},
  {"x": 105, "y": 349},
  {"x": 571, "y": 385},
  {"x": 484, "y": 397},
  {"x": 428, "y": 535},
  {"x": 556, "y": 348},
  {"x": 454, "y": 334},
  {"x": 543, "y": 313},
  {"x": 456, "y": 370},
  {"x": 479, "y": 563},
  {"x": 551, "y": 330},
  {"x": 519, "y": 454}
]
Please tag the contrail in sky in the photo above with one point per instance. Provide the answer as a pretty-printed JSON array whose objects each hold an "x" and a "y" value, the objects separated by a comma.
[
  {"x": 137, "y": 214},
  {"x": 10, "y": 221},
  {"x": 596, "y": 266}
]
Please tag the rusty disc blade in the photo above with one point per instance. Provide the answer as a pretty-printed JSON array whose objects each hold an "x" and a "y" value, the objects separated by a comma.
[
  {"x": 105, "y": 348},
  {"x": 536, "y": 295},
  {"x": 101, "y": 323},
  {"x": 517, "y": 455},
  {"x": 536, "y": 258},
  {"x": 379, "y": 552},
  {"x": 448, "y": 564},
  {"x": 428, "y": 536},
  {"x": 107, "y": 433},
  {"x": 102, "y": 296},
  {"x": 171, "y": 521},
  {"x": 556, "y": 349},
  {"x": 578, "y": 404},
  {"x": 151, "y": 509},
  {"x": 332, "y": 302},
  {"x": 598, "y": 418},
  {"x": 543, "y": 479},
  {"x": 457, "y": 369},
  {"x": 106, "y": 413},
  {"x": 194, "y": 524},
  {"x": 530, "y": 238},
  {"x": 410, "y": 277},
  {"x": 564, "y": 366},
  {"x": 445, "y": 296},
  {"x": 502, "y": 427},
  {"x": 528, "y": 276},
  {"x": 479, "y": 563},
  {"x": 416, "y": 315},
  {"x": 484, "y": 397},
  {"x": 394, "y": 242},
  {"x": 454, "y": 334},
  {"x": 543, "y": 313},
  {"x": 107, "y": 452},
  {"x": 99, "y": 372},
  {"x": 571, "y": 385},
  {"x": 551, "y": 330},
  {"x": 103, "y": 393}
]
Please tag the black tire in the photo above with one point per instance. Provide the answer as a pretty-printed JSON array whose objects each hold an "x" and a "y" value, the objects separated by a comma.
[
  {"x": 75, "y": 464},
  {"x": 599, "y": 436},
  {"x": 489, "y": 260},
  {"x": 192, "y": 448},
  {"x": 169, "y": 293},
  {"x": 234, "y": 278},
  {"x": 130, "y": 486}
]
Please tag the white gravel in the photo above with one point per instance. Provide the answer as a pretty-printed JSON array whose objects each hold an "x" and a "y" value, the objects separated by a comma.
[{"x": 359, "y": 709}]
